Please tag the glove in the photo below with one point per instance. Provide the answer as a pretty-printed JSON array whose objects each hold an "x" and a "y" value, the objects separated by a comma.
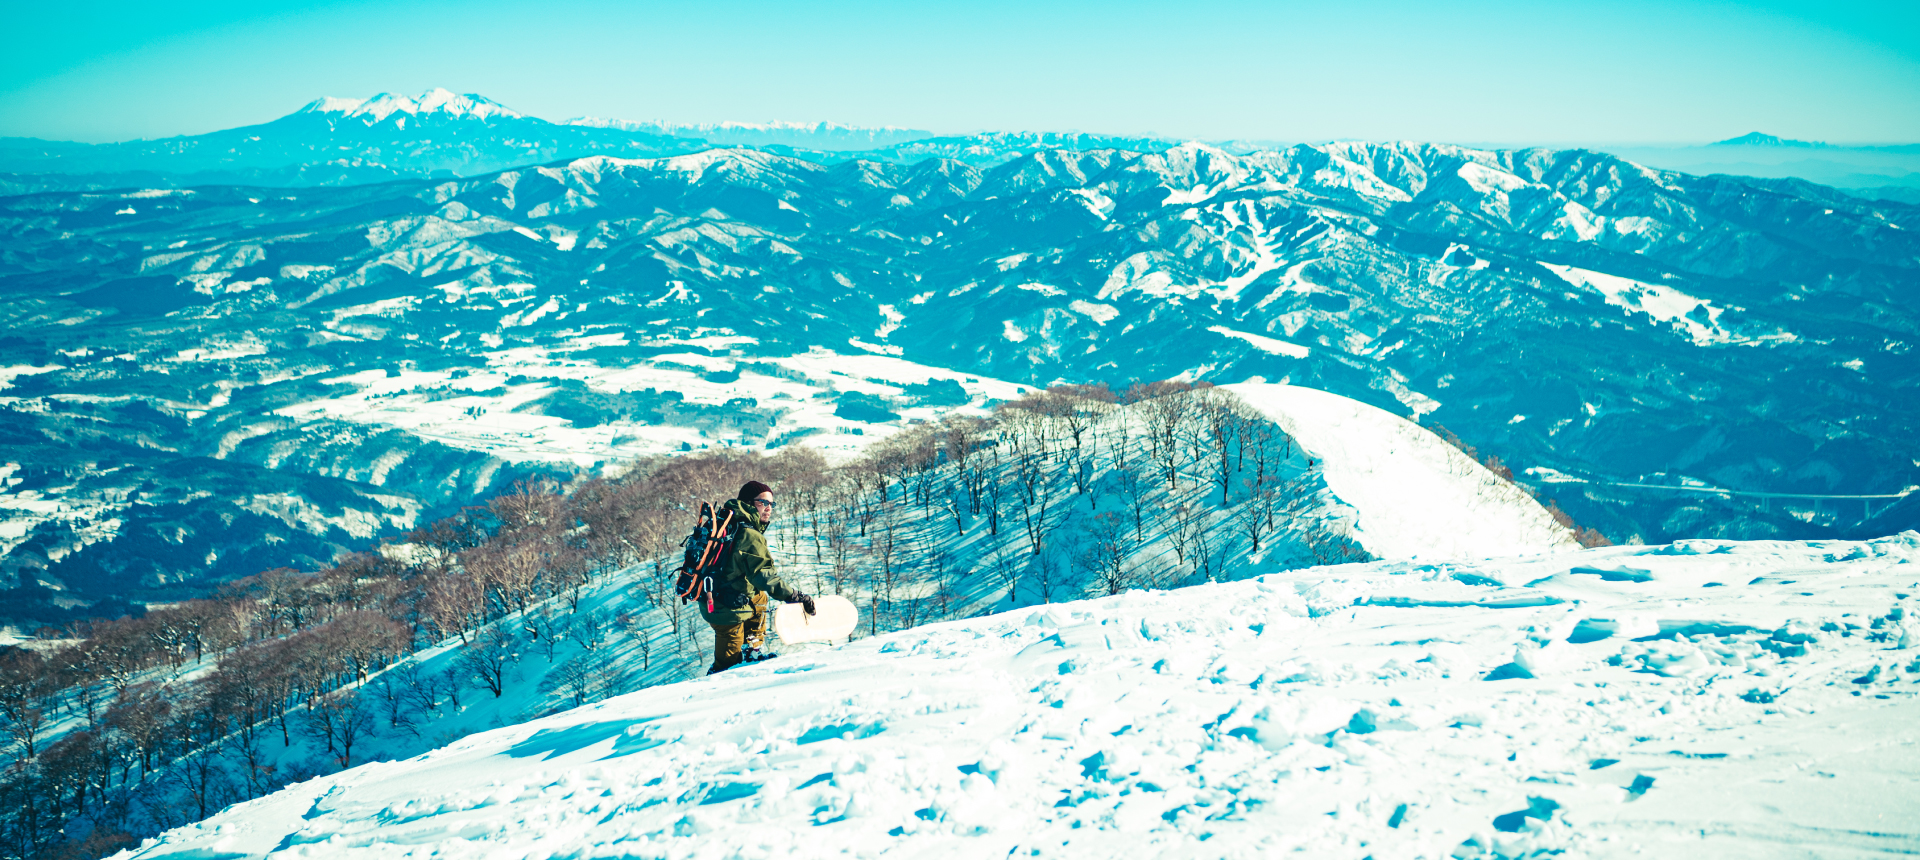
[{"x": 805, "y": 602}]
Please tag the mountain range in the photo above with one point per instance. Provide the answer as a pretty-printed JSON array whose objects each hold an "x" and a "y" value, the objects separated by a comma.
[
  {"x": 346, "y": 141},
  {"x": 205, "y": 381},
  {"x": 333, "y": 141}
]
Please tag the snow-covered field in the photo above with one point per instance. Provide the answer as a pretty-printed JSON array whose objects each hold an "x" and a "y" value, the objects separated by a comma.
[
  {"x": 1704, "y": 699},
  {"x": 483, "y": 411}
]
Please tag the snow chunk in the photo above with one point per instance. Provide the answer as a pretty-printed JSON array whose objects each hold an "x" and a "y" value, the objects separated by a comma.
[
  {"x": 1100, "y": 314},
  {"x": 1273, "y": 346},
  {"x": 1188, "y": 196},
  {"x": 1487, "y": 180},
  {"x": 876, "y": 348},
  {"x": 7, "y": 374},
  {"x": 891, "y": 319}
]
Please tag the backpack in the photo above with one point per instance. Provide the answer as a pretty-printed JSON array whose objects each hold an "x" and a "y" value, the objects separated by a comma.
[{"x": 707, "y": 549}]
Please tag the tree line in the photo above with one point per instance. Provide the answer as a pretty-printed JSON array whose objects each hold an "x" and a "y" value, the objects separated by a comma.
[{"x": 125, "y": 727}]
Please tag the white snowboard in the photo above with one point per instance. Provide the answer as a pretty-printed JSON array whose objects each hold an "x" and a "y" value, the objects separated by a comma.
[{"x": 834, "y": 618}]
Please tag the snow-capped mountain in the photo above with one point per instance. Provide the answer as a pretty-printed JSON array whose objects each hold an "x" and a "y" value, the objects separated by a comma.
[
  {"x": 433, "y": 105},
  {"x": 1737, "y": 699},
  {"x": 986, "y": 149},
  {"x": 825, "y": 136},
  {"x": 333, "y": 141},
  {"x": 1664, "y": 355}
]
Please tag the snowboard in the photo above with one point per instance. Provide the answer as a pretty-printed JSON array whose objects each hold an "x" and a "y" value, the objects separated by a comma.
[{"x": 834, "y": 618}]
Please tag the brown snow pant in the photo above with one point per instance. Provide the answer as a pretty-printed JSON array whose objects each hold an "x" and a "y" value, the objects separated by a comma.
[{"x": 730, "y": 641}]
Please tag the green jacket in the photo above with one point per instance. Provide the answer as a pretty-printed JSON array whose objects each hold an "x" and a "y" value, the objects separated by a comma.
[{"x": 749, "y": 571}]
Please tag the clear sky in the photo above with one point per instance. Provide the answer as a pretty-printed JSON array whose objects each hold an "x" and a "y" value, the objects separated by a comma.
[{"x": 1486, "y": 71}]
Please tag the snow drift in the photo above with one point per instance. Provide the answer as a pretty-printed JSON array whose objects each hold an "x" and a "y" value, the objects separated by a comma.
[{"x": 1748, "y": 699}]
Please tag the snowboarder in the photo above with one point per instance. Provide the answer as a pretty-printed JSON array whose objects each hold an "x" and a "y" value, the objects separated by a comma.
[{"x": 739, "y": 608}]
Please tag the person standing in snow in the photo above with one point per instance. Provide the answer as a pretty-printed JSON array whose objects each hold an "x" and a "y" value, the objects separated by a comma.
[{"x": 739, "y": 614}]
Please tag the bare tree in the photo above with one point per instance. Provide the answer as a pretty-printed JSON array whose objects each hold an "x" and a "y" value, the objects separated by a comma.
[
  {"x": 993, "y": 479},
  {"x": 965, "y": 438},
  {"x": 509, "y": 569},
  {"x": 1220, "y": 418},
  {"x": 634, "y": 626},
  {"x": 1257, "y": 517},
  {"x": 145, "y": 718},
  {"x": 575, "y": 678},
  {"x": 1007, "y": 569},
  {"x": 1104, "y": 552},
  {"x": 199, "y": 772},
  {"x": 366, "y": 640},
  {"x": 1047, "y": 573},
  {"x": 1189, "y": 523},
  {"x": 26, "y": 689},
  {"x": 341, "y": 720},
  {"x": 1133, "y": 490},
  {"x": 393, "y": 687},
  {"x": 1162, "y": 409},
  {"x": 256, "y": 767},
  {"x": 453, "y": 603},
  {"x": 887, "y": 548},
  {"x": 486, "y": 658},
  {"x": 533, "y": 505},
  {"x": 1209, "y": 552},
  {"x": 1028, "y": 440}
]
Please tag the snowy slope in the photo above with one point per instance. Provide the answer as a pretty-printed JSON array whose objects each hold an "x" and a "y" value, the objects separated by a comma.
[
  {"x": 1415, "y": 495},
  {"x": 1719, "y": 698}
]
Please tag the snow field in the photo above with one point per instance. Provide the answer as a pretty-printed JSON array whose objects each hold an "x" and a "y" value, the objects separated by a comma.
[
  {"x": 1713, "y": 698},
  {"x": 1415, "y": 496},
  {"x": 1659, "y": 301},
  {"x": 485, "y": 421}
]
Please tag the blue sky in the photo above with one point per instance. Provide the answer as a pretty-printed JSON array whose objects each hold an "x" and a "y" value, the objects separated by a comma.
[{"x": 1468, "y": 72}]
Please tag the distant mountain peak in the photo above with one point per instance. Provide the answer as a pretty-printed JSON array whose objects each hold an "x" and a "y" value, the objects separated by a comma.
[
  {"x": 698, "y": 128},
  {"x": 1755, "y": 138},
  {"x": 804, "y": 135},
  {"x": 434, "y": 101}
]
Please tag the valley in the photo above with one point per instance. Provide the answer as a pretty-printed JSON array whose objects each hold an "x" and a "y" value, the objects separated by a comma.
[{"x": 348, "y": 357}]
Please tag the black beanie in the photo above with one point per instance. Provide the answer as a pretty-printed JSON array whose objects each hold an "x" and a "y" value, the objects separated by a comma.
[{"x": 751, "y": 490}]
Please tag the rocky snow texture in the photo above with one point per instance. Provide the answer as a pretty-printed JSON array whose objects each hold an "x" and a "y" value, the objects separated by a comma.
[{"x": 1706, "y": 698}]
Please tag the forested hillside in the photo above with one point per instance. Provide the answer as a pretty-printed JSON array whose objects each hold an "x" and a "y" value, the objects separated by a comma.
[{"x": 556, "y": 594}]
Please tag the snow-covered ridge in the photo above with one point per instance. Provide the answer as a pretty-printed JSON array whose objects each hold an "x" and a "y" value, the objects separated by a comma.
[
  {"x": 434, "y": 101},
  {"x": 1742, "y": 699},
  {"x": 1414, "y": 495}
]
